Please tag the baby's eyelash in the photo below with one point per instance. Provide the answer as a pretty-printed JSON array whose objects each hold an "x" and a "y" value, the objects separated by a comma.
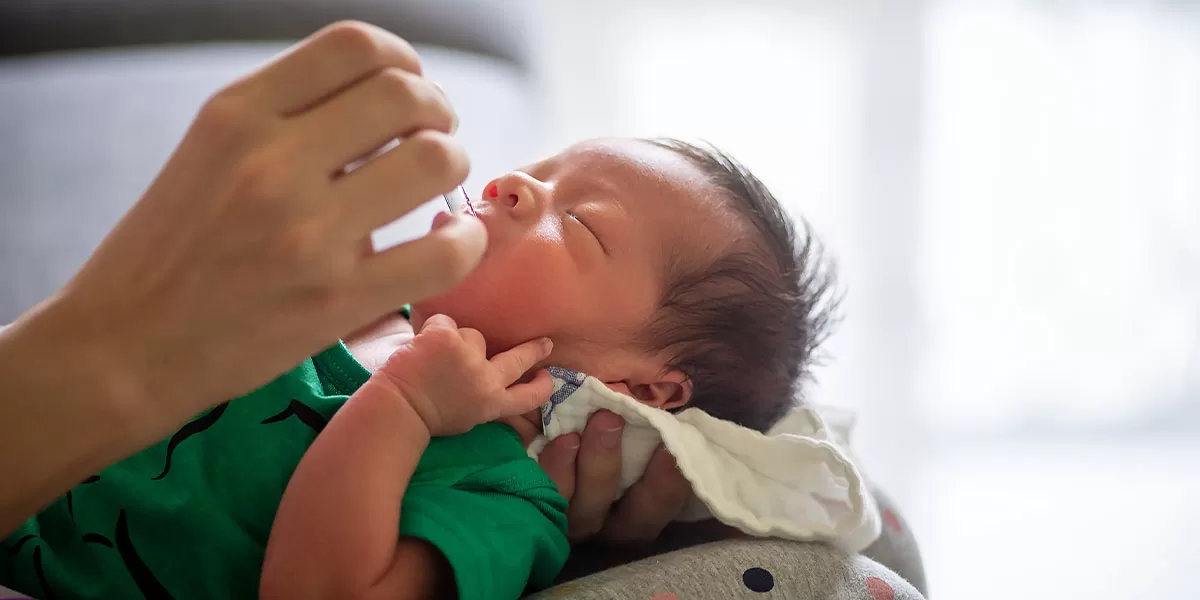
[{"x": 590, "y": 230}]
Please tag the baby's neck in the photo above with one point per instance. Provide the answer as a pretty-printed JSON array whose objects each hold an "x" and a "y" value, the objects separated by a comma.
[{"x": 373, "y": 344}]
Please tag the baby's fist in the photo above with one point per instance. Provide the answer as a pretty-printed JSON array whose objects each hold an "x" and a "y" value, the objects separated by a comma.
[{"x": 446, "y": 376}]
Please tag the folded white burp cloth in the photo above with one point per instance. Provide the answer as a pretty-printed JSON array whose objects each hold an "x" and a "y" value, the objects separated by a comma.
[{"x": 797, "y": 482}]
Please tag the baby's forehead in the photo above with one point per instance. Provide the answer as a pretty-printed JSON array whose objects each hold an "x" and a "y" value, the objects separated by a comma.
[
  {"x": 680, "y": 206},
  {"x": 640, "y": 171},
  {"x": 631, "y": 154}
]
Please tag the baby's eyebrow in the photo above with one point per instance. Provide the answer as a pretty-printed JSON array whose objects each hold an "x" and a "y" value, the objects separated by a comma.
[{"x": 593, "y": 180}]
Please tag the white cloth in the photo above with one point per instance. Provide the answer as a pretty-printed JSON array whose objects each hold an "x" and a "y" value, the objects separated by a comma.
[{"x": 798, "y": 482}]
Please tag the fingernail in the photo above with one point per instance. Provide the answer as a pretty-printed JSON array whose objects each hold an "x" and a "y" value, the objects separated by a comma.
[
  {"x": 611, "y": 438},
  {"x": 453, "y": 113},
  {"x": 547, "y": 346}
]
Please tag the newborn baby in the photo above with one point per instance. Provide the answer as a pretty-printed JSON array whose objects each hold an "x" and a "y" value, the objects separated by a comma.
[
  {"x": 659, "y": 266},
  {"x": 663, "y": 269}
]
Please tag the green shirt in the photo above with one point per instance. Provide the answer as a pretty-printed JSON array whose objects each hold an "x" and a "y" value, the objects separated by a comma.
[{"x": 189, "y": 517}]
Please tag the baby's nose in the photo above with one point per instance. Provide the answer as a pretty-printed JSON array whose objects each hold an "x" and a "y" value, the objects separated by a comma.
[{"x": 517, "y": 192}]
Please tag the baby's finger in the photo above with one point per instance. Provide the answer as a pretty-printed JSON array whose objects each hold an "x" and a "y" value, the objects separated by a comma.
[
  {"x": 438, "y": 322},
  {"x": 473, "y": 339},
  {"x": 513, "y": 363},
  {"x": 527, "y": 427},
  {"x": 524, "y": 397}
]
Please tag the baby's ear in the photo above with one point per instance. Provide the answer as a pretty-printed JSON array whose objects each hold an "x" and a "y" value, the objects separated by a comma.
[{"x": 669, "y": 390}]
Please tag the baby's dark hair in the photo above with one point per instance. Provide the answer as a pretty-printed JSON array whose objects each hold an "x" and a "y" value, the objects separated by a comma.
[{"x": 745, "y": 328}]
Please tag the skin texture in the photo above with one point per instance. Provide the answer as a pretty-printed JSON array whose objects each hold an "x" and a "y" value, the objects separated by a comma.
[
  {"x": 245, "y": 255},
  {"x": 335, "y": 534},
  {"x": 577, "y": 251},
  {"x": 596, "y": 220},
  {"x": 639, "y": 202},
  {"x": 249, "y": 252}
]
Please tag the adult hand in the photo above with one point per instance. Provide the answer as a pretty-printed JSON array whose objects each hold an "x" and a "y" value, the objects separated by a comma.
[
  {"x": 250, "y": 251},
  {"x": 587, "y": 470}
]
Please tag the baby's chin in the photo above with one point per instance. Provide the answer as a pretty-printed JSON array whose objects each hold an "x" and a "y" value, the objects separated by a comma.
[{"x": 466, "y": 309}]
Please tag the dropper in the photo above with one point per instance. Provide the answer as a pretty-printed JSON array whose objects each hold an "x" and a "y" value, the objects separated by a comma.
[{"x": 458, "y": 201}]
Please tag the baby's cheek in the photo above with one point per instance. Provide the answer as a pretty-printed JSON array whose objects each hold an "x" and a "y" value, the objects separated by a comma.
[{"x": 533, "y": 303}]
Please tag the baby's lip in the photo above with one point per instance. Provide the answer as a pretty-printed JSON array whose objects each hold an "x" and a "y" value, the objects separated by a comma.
[
  {"x": 441, "y": 219},
  {"x": 484, "y": 215}
]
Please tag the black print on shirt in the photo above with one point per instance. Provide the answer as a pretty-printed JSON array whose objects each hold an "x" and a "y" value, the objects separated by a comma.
[
  {"x": 302, "y": 411},
  {"x": 142, "y": 577},
  {"x": 197, "y": 425}
]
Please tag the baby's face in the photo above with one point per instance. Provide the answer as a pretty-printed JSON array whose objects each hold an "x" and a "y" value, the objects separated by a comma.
[{"x": 577, "y": 249}]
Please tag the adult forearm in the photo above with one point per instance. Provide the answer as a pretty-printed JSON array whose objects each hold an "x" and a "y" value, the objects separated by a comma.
[{"x": 68, "y": 408}]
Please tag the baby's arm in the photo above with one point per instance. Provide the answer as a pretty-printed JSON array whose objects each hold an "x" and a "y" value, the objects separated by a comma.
[{"x": 337, "y": 530}]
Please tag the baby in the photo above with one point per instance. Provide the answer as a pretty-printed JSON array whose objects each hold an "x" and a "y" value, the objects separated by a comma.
[{"x": 662, "y": 268}]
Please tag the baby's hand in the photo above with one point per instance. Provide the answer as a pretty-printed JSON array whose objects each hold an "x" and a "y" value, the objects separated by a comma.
[{"x": 445, "y": 375}]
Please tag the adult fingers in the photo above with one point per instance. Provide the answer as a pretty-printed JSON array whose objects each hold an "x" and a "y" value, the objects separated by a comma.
[
  {"x": 511, "y": 364},
  {"x": 651, "y": 503},
  {"x": 598, "y": 475},
  {"x": 423, "y": 267},
  {"x": 558, "y": 461},
  {"x": 390, "y": 103},
  {"x": 327, "y": 61},
  {"x": 425, "y": 164},
  {"x": 454, "y": 122}
]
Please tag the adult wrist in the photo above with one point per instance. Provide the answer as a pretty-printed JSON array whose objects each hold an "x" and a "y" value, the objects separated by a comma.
[
  {"x": 65, "y": 412},
  {"x": 85, "y": 368}
]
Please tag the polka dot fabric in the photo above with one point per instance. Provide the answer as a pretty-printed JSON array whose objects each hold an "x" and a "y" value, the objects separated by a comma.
[
  {"x": 879, "y": 589},
  {"x": 758, "y": 580}
]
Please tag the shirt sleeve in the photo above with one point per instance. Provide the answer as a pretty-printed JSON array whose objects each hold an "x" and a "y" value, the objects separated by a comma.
[{"x": 501, "y": 526}]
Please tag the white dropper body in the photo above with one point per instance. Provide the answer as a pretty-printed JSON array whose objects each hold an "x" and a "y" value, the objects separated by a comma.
[{"x": 458, "y": 201}]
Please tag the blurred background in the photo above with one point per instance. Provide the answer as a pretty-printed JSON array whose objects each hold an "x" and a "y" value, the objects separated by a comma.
[{"x": 1011, "y": 190}]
